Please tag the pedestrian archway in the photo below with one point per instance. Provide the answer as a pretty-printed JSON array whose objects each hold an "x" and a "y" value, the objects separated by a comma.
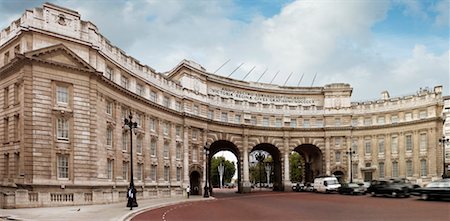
[
  {"x": 194, "y": 182},
  {"x": 313, "y": 161},
  {"x": 275, "y": 170},
  {"x": 339, "y": 175}
]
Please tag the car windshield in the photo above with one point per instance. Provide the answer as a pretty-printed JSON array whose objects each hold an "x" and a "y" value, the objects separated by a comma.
[
  {"x": 353, "y": 185},
  {"x": 438, "y": 184},
  {"x": 332, "y": 182}
]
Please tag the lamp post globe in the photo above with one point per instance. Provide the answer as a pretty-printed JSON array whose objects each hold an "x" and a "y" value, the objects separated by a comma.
[{"x": 206, "y": 188}]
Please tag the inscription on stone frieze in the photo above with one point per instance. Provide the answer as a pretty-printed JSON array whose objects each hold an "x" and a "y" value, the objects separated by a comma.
[{"x": 262, "y": 97}]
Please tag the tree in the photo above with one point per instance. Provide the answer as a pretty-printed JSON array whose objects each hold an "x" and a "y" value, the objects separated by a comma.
[
  {"x": 229, "y": 170},
  {"x": 296, "y": 167}
]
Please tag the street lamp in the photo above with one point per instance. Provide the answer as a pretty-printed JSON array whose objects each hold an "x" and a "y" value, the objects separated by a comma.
[
  {"x": 444, "y": 141},
  {"x": 206, "y": 192},
  {"x": 268, "y": 168},
  {"x": 130, "y": 125},
  {"x": 220, "y": 169},
  {"x": 260, "y": 158},
  {"x": 351, "y": 152}
]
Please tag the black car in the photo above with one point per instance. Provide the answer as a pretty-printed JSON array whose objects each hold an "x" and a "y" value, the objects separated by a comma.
[
  {"x": 435, "y": 190},
  {"x": 352, "y": 188},
  {"x": 394, "y": 188}
]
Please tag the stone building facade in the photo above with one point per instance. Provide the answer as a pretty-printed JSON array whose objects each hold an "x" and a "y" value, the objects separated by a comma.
[{"x": 65, "y": 91}]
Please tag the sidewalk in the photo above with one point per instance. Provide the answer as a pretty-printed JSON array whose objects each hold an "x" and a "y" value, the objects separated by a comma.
[{"x": 107, "y": 212}]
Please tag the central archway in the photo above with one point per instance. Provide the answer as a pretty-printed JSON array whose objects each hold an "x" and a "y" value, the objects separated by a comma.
[
  {"x": 313, "y": 161},
  {"x": 224, "y": 145},
  {"x": 276, "y": 157}
]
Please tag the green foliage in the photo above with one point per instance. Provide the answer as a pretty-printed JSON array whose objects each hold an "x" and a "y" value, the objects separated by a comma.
[
  {"x": 295, "y": 160},
  {"x": 229, "y": 170}
]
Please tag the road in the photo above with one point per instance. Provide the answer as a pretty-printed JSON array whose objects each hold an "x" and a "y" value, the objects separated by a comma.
[{"x": 301, "y": 206}]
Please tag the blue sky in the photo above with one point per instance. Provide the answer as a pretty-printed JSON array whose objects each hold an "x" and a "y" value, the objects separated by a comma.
[{"x": 394, "y": 45}]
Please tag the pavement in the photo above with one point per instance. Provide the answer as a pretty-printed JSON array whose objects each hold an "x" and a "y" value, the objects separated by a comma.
[{"x": 107, "y": 212}]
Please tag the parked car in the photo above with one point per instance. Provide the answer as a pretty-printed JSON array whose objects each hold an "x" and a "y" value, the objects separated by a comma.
[
  {"x": 435, "y": 190},
  {"x": 352, "y": 189},
  {"x": 326, "y": 184},
  {"x": 394, "y": 188},
  {"x": 298, "y": 187}
]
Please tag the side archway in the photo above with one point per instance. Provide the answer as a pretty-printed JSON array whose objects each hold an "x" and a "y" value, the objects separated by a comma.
[
  {"x": 224, "y": 145},
  {"x": 313, "y": 161}
]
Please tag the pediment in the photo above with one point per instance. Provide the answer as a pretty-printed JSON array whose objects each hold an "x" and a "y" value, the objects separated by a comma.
[{"x": 60, "y": 55}]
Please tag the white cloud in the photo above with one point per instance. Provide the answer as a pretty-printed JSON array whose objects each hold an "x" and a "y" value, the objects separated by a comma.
[{"x": 442, "y": 9}]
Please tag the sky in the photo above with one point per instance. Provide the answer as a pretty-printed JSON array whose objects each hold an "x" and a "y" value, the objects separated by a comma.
[{"x": 394, "y": 45}]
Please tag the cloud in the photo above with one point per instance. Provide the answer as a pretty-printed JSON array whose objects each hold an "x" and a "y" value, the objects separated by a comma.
[{"x": 442, "y": 9}]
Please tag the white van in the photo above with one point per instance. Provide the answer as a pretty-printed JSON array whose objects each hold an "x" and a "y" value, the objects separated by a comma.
[{"x": 326, "y": 184}]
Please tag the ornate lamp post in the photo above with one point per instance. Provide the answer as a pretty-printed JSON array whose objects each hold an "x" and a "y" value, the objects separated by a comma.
[
  {"x": 444, "y": 141},
  {"x": 268, "y": 168},
  {"x": 351, "y": 152},
  {"x": 130, "y": 125},
  {"x": 220, "y": 169},
  {"x": 260, "y": 158},
  {"x": 206, "y": 192}
]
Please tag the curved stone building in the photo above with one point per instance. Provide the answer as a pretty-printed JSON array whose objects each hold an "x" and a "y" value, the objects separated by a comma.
[{"x": 65, "y": 91}]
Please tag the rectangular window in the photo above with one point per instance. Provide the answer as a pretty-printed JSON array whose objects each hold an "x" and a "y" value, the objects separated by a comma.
[
  {"x": 423, "y": 114},
  {"x": 380, "y": 120},
  {"x": 166, "y": 150},
  {"x": 139, "y": 120},
  {"x": 153, "y": 147},
  {"x": 319, "y": 122},
  {"x": 152, "y": 124},
  {"x": 394, "y": 144},
  {"x": 306, "y": 123},
  {"x": 381, "y": 169},
  {"x": 125, "y": 170},
  {"x": 337, "y": 142},
  {"x": 62, "y": 94},
  {"x": 153, "y": 170},
  {"x": 124, "y": 82},
  {"x": 178, "y": 131},
  {"x": 395, "y": 169},
  {"x": 110, "y": 169},
  {"x": 166, "y": 173},
  {"x": 178, "y": 105},
  {"x": 293, "y": 123},
  {"x": 166, "y": 101},
  {"x": 62, "y": 131},
  {"x": 368, "y": 146},
  {"x": 237, "y": 118},
  {"x": 6, "y": 57},
  {"x": 6, "y": 97},
  {"x": 140, "y": 89},
  {"x": 265, "y": 121},
  {"x": 109, "y": 137},
  {"x": 109, "y": 107},
  {"x": 423, "y": 168},
  {"x": 337, "y": 122},
  {"x": 194, "y": 154},
  {"x": 153, "y": 96},
  {"x": 355, "y": 145},
  {"x": 409, "y": 168},
  {"x": 224, "y": 117},
  {"x": 355, "y": 122},
  {"x": 278, "y": 122},
  {"x": 139, "y": 171},
  {"x": 125, "y": 139},
  {"x": 178, "y": 173},
  {"x": 63, "y": 166},
  {"x": 194, "y": 134},
  {"x": 166, "y": 128},
  {"x": 139, "y": 145},
  {"x": 178, "y": 152},
  {"x": 16, "y": 93},
  {"x": 381, "y": 145},
  {"x": 210, "y": 114},
  {"x": 16, "y": 126},
  {"x": 253, "y": 120},
  {"x": 394, "y": 119},
  {"x": 408, "y": 116},
  {"x": 355, "y": 171},
  {"x": 367, "y": 121},
  {"x": 408, "y": 142},
  {"x": 5, "y": 129},
  {"x": 423, "y": 142},
  {"x": 109, "y": 73}
]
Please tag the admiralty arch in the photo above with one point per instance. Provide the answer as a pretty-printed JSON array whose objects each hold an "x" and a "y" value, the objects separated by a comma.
[{"x": 65, "y": 91}]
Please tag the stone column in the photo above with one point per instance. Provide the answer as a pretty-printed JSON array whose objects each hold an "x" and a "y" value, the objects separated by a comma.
[
  {"x": 327, "y": 156},
  {"x": 246, "y": 185},
  {"x": 287, "y": 180}
]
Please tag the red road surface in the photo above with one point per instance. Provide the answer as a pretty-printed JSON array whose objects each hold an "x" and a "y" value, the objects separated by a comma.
[{"x": 302, "y": 206}]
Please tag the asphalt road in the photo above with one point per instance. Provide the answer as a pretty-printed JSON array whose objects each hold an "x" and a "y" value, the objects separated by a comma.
[{"x": 301, "y": 206}]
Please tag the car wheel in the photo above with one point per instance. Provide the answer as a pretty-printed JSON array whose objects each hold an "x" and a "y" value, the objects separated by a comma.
[
  {"x": 424, "y": 196},
  {"x": 373, "y": 193},
  {"x": 394, "y": 194}
]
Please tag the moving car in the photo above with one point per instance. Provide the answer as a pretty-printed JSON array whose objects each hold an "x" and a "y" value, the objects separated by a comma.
[
  {"x": 394, "y": 188},
  {"x": 352, "y": 189},
  {"x": 435, "y": 190},
  {"x": 326, "y": 184}
]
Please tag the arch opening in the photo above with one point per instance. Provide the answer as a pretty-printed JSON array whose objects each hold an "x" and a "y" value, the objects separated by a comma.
[
  {"x": 312, "y": 161},
  {"x": 268, "y": 173},
  {"x": 219, "y": 147}
]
